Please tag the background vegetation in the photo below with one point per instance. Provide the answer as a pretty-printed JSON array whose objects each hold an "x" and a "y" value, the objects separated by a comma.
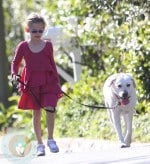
[{"x": 113, "y": 36}]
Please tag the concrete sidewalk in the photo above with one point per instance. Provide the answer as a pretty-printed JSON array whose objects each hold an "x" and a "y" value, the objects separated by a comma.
[{"x": 87, "y": 151}]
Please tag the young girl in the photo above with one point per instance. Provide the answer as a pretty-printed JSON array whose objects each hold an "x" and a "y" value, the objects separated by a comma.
[{"x": 40, "y": 87}]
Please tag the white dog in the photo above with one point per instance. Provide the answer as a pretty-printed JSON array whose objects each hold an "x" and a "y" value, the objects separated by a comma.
[{"x": 120, "y": 98}]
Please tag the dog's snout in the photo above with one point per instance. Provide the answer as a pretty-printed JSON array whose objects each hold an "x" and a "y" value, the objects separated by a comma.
[{"x": 124, "y": 94}]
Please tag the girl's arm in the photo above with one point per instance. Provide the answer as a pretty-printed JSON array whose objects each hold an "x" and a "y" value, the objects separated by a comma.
[
  {"x": 17, "y": 60},
  {"x": 53, "y": 62}
]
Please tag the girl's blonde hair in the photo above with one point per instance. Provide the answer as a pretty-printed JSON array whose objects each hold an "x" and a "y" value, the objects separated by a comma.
[{"x": 35, "y": 18}]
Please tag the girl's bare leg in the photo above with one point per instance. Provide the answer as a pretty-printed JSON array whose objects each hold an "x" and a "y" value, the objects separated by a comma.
[
  {"x": 37, "y": 125},
  {"x": 50, "y": 126},
  {"x": 50, "y": 118}
]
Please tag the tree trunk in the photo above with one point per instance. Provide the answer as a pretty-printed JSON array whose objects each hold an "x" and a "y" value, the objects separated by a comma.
[{"x": 4, "y": 88}]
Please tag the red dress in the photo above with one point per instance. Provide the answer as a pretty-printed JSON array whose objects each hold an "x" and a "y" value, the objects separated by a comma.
[{"x": 39, "y": 76}]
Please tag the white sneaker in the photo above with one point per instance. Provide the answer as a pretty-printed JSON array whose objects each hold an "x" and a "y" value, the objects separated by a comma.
[
  {"x": 52, "y": 146},
  {"x": 40, "y": 150}
]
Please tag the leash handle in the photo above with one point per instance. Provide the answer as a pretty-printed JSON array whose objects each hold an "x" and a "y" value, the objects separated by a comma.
[{"x": 15, "y": 80}]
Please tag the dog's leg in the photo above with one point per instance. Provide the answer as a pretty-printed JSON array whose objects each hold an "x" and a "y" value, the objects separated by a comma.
[
  {"x": 116, "y": 118},
  {"x": 128, "y": 126}
]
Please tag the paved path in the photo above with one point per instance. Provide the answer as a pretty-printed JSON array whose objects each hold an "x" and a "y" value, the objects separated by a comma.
[{"x": 86, "y": 151}]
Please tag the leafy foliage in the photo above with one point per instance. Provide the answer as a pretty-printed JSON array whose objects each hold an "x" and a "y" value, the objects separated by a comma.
[{"x": 12, "y": 117}]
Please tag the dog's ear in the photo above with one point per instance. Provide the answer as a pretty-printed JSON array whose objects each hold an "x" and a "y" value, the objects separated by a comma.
[
  {"x": 111, "y": 80},
  {"x": 133, "y": 83},
  {"x": 132, "y": 79}
]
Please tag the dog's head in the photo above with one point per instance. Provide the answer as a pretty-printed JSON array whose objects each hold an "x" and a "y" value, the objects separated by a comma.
[{"x": 122, "y": 86}]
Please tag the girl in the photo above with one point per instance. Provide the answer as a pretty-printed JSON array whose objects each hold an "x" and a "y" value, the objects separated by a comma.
[{"x": 39, "y": 76}]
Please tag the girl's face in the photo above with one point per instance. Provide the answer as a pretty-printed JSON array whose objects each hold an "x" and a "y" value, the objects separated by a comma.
[{"x": 36, "y": 30}]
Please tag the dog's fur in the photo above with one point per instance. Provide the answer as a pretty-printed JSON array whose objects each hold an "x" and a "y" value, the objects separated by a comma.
[{"x": 120, "y": 98}]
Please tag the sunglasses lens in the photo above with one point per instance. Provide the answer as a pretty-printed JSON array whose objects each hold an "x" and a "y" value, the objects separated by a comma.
[
  {"x": 35, "y": 31},
  {"x": 40, "y": 31}
]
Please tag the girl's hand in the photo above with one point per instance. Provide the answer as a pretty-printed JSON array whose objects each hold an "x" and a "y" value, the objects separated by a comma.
[{"x": 15, "y": 77}]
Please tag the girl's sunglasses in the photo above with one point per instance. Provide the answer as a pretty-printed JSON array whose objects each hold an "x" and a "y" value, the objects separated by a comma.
[{"x": 37, "y": 31}]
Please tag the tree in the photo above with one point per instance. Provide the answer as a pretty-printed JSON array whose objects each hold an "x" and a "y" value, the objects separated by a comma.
[{"x": 4, "y": 88}]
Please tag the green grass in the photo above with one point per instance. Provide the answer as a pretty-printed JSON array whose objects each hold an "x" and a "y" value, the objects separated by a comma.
[{"x": 96, "y": 124}]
